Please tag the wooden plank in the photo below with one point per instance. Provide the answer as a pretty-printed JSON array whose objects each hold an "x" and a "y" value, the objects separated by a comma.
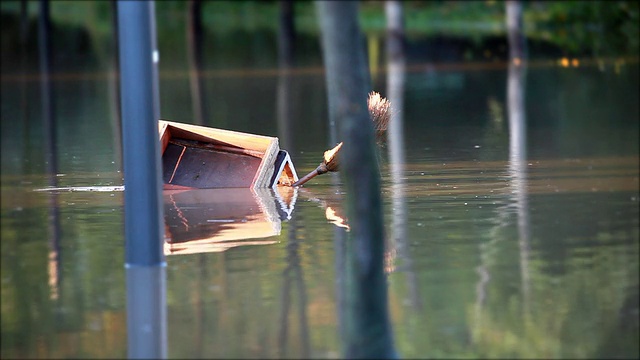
[
  {"x": 165, "y": 135},
  {"x": 233, "y": 138},
  {"x": 216, "y": 147},
  {"x": 266, "y": 168}
]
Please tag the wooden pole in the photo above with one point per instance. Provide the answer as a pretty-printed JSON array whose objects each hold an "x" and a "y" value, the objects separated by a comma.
[{"x": 367, "y": 327}]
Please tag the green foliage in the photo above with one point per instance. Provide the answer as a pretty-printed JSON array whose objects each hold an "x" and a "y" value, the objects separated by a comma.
[{"x": 598, "y": 28}]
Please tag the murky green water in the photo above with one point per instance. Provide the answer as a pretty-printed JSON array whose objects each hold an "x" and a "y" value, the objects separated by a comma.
[{"x": 487, "y": 255}]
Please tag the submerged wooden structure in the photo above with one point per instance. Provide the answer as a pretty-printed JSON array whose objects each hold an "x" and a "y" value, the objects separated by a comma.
[
  {"x": 199, "y": 157},
  {"x": 222, "y": 188}
]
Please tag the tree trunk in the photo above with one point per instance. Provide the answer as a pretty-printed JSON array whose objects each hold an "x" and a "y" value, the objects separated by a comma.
[{"x": 367, "y": 328}]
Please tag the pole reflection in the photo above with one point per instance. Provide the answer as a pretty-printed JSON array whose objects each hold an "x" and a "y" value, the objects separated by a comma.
[
  {"x": 146, "y": 312},
  {"x": 50, "y": 148},
  {"x": 516, "y": 84},
  {"x": 396, "y": 68},
  {"x": 518, "y": 201},
  {"x": 293, "y": 275}
]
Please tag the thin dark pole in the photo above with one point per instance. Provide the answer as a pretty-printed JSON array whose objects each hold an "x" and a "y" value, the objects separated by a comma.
[
  {"x": 194, "y": 34},
  {"x": 141, "y": 148},
  {"x": 286, "y": 39},
  {"x": 48, "y": 111},
  {"x": 286, "y": 33},
  {"x": 114, "y": 86}
]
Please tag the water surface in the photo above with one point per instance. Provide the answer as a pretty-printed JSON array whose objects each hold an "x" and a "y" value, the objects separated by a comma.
[{"x": 488, "y": 254}]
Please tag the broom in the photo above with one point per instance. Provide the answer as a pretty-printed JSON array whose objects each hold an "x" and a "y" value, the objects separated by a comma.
[{"x": 379, "y": 112}]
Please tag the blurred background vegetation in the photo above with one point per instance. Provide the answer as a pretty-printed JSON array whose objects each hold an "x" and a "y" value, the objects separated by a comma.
[{"x": 564, "y": 28}]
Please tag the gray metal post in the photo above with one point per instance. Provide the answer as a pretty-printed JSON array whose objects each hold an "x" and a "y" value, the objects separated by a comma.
[
  {"x": 146, "y": 278},
  {"x": 141, "y": 148}
]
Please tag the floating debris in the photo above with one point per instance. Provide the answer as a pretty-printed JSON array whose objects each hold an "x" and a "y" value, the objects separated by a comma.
[{"x": 380, "y": 114}]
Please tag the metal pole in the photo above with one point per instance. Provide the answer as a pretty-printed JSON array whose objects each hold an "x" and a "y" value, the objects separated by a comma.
[
  {"x": 141, "y": 148},
  {"x": 145, "y": 263}
]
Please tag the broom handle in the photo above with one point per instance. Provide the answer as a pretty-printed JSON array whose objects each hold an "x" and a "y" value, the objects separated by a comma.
[{"x": 321, "y": 169}]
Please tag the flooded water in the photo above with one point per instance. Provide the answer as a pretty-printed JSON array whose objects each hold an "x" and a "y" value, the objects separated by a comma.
[{"x": 488, "y": 253}]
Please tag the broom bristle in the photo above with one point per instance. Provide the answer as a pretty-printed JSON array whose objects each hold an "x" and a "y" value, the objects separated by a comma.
[
  {"x": 331, "y": 158},
  {"x": 380, "y": 113}
]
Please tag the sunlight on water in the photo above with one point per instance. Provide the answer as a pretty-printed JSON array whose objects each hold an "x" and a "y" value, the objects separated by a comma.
[{"x": 83, "y": 188}]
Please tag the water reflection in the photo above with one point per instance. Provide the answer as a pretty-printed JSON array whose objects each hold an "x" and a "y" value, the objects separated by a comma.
[
  {"x": 516, "y": 95},
  {"x": 50, "y": 148},
  {"x": 396, "y": 67},
  {"x": 55, "y": 234},
  {"x": 518, "y": 177},
  {"x": 518, "y": 171},
  {"x": 214, "y": 220},
  {"x": 146, "y": 312},
  {"x": 293, "y": 280},
  {"x": 580, "y": 233}
]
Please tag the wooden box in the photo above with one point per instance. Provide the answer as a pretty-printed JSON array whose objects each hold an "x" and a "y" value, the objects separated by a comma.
[{"x": 202, "y": 157}]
